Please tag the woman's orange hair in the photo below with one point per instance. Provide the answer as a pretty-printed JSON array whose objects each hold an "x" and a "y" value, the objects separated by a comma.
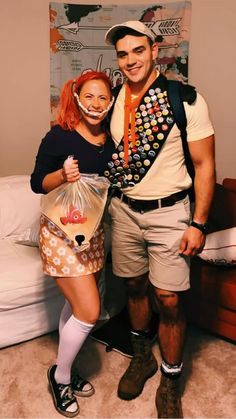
[{"x": 68, "y": 117}]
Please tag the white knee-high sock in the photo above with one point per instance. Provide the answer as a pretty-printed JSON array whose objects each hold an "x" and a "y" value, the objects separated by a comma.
[
  {"x": 72, "y": 338},
  {"x": 66, "y": 312}
]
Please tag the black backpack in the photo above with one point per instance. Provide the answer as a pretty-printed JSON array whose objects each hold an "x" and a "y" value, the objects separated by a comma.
[{"x": 177, "y": 94}]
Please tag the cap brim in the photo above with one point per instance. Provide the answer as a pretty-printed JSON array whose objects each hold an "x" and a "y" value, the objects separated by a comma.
[{"x": 111, "y": 32}]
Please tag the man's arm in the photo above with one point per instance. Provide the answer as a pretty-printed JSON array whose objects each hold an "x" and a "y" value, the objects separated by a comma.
[{"x": 203, "y": 157}]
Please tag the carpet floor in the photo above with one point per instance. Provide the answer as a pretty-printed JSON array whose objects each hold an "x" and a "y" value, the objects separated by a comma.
[{"x": 209, "y": 385}]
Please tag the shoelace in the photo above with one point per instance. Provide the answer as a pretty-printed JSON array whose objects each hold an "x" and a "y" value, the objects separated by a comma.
[{"x": 66, "y": 394}]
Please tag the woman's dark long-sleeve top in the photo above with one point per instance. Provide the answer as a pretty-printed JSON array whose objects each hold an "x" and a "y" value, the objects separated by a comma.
[{"x": 58, "y": 144}]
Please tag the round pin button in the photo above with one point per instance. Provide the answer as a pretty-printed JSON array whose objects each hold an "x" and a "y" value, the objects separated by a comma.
[
  {"x": 110, "y": 164},
  {"x": 151, "y": 92},
  {"x": 140, "y": 128},
  {"x": 165, "y": 112},
  {"x": 144, "y": 113},
  {"x": 142, "y": 107},
  {"x": 151, "y": 137},
  {"x": 137, "y": 143},
  {"x": 160, "y": 95},
  {"x": 155, "y": 128},
  {"x": 139, "y": 164},
  {"x": 153, "y": 122},
  {"x": 160, "y": 119},
  {"x": 162, "y": 100},
  {"x": 151, "y": 154},
  {"x": 149, "y": 105},
  {"x": 114, "y": 156},
  {"x": 136, "y": 177},
  {"x": 147, "y": 99},
  {"x": 165, "y": 127},
  {"x": 142, "y": 171},
  {"x": 160, "y": 136},
  {"x": 154, "y": 98},
  {"x": 140, "y": 149},
  {"x": 146, "y": 147},
  {"x": 120, "y": 147},
  {"x": 146, "y": 162},
  {"x": 155, "y": 145},
  {"x": 106, "y": 173},
  {"x": 138, "y": 114},
  {"x": 148, "y": 132},
  {"x": 146, "y": 125}
]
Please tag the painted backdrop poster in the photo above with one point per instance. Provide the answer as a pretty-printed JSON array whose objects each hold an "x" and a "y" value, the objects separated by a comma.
[{"x": 77, "y": 40}]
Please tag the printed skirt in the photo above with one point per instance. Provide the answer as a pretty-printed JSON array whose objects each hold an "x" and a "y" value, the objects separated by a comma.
[{"x": 60, "y": 256}]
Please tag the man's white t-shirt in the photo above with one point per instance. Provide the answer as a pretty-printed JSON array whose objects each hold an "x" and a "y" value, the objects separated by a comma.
[{"x": 168, "y": 173}]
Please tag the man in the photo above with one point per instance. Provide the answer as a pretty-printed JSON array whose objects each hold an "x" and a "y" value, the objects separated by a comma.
[{"x": 152, "y": 235}]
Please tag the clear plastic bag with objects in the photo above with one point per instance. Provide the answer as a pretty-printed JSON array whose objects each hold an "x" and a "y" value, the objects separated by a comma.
[{"x": 77, "y": 208}]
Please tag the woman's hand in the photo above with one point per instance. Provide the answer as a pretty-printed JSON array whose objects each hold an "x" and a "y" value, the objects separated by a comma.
[{"x": 70, "y": 170}]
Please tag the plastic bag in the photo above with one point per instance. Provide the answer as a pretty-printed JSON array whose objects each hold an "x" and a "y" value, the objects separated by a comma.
[{"x": 77, "y": 208}]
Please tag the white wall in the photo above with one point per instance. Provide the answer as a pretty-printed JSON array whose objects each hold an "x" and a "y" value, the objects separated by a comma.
[{"x": 25, "y": 77}]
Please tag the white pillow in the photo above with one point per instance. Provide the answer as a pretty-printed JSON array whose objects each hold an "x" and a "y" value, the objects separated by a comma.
[
  {"x": 220, "y": 247},
  {"x": 19, "y": 205},
  {"x": 30, "y": 237}
]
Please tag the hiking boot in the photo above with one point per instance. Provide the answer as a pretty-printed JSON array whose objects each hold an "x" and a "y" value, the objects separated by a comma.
[
  {"x": 64, "y": 400},
  {"x": 81, "y": 387},
  {"x": 168, "y": 400},
  {"x": 143, "y": 365}
]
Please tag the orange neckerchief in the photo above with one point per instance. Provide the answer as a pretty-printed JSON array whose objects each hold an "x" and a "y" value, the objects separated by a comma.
[{"x": 129, "y": 118}]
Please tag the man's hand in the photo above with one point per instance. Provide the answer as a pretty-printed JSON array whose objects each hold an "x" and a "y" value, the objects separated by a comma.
[{"x": 192, "y": 242}]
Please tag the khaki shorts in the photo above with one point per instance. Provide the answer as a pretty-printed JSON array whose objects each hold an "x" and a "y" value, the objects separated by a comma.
[{"x": 149, "y": 242}]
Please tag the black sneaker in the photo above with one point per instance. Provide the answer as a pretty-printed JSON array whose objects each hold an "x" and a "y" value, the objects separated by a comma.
[
  {"x": 81, "y": 387},
  {"x": 64, "y": 400}
]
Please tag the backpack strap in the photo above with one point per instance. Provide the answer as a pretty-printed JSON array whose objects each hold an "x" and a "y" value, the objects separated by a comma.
[
  {"x": 115, "y": 91},
  {"x": 177, "y": 94}
]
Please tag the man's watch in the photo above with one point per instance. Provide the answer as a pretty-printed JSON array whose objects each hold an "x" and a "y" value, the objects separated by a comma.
[{"x": 202, "y": 227}]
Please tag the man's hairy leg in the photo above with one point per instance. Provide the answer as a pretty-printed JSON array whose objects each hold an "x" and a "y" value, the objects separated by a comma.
[
  {"x": 171, "y": 342},
  {"x": 143, "y": 365},
  {"x": 172, "y": 326},
  {"x": 138, "y": 302}
]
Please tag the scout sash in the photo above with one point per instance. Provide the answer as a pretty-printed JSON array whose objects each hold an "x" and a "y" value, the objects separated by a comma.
[{"x": 147, "y": 135}]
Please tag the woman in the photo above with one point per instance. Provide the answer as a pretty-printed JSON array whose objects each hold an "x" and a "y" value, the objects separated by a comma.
[{"x": 81, "y": 133}]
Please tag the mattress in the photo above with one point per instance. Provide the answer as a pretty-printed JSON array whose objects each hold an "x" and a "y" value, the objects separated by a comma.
[{"x": 30, "y": 302}]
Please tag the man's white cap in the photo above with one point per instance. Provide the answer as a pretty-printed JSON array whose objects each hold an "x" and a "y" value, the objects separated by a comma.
[{"x": 136, "y": 25}]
